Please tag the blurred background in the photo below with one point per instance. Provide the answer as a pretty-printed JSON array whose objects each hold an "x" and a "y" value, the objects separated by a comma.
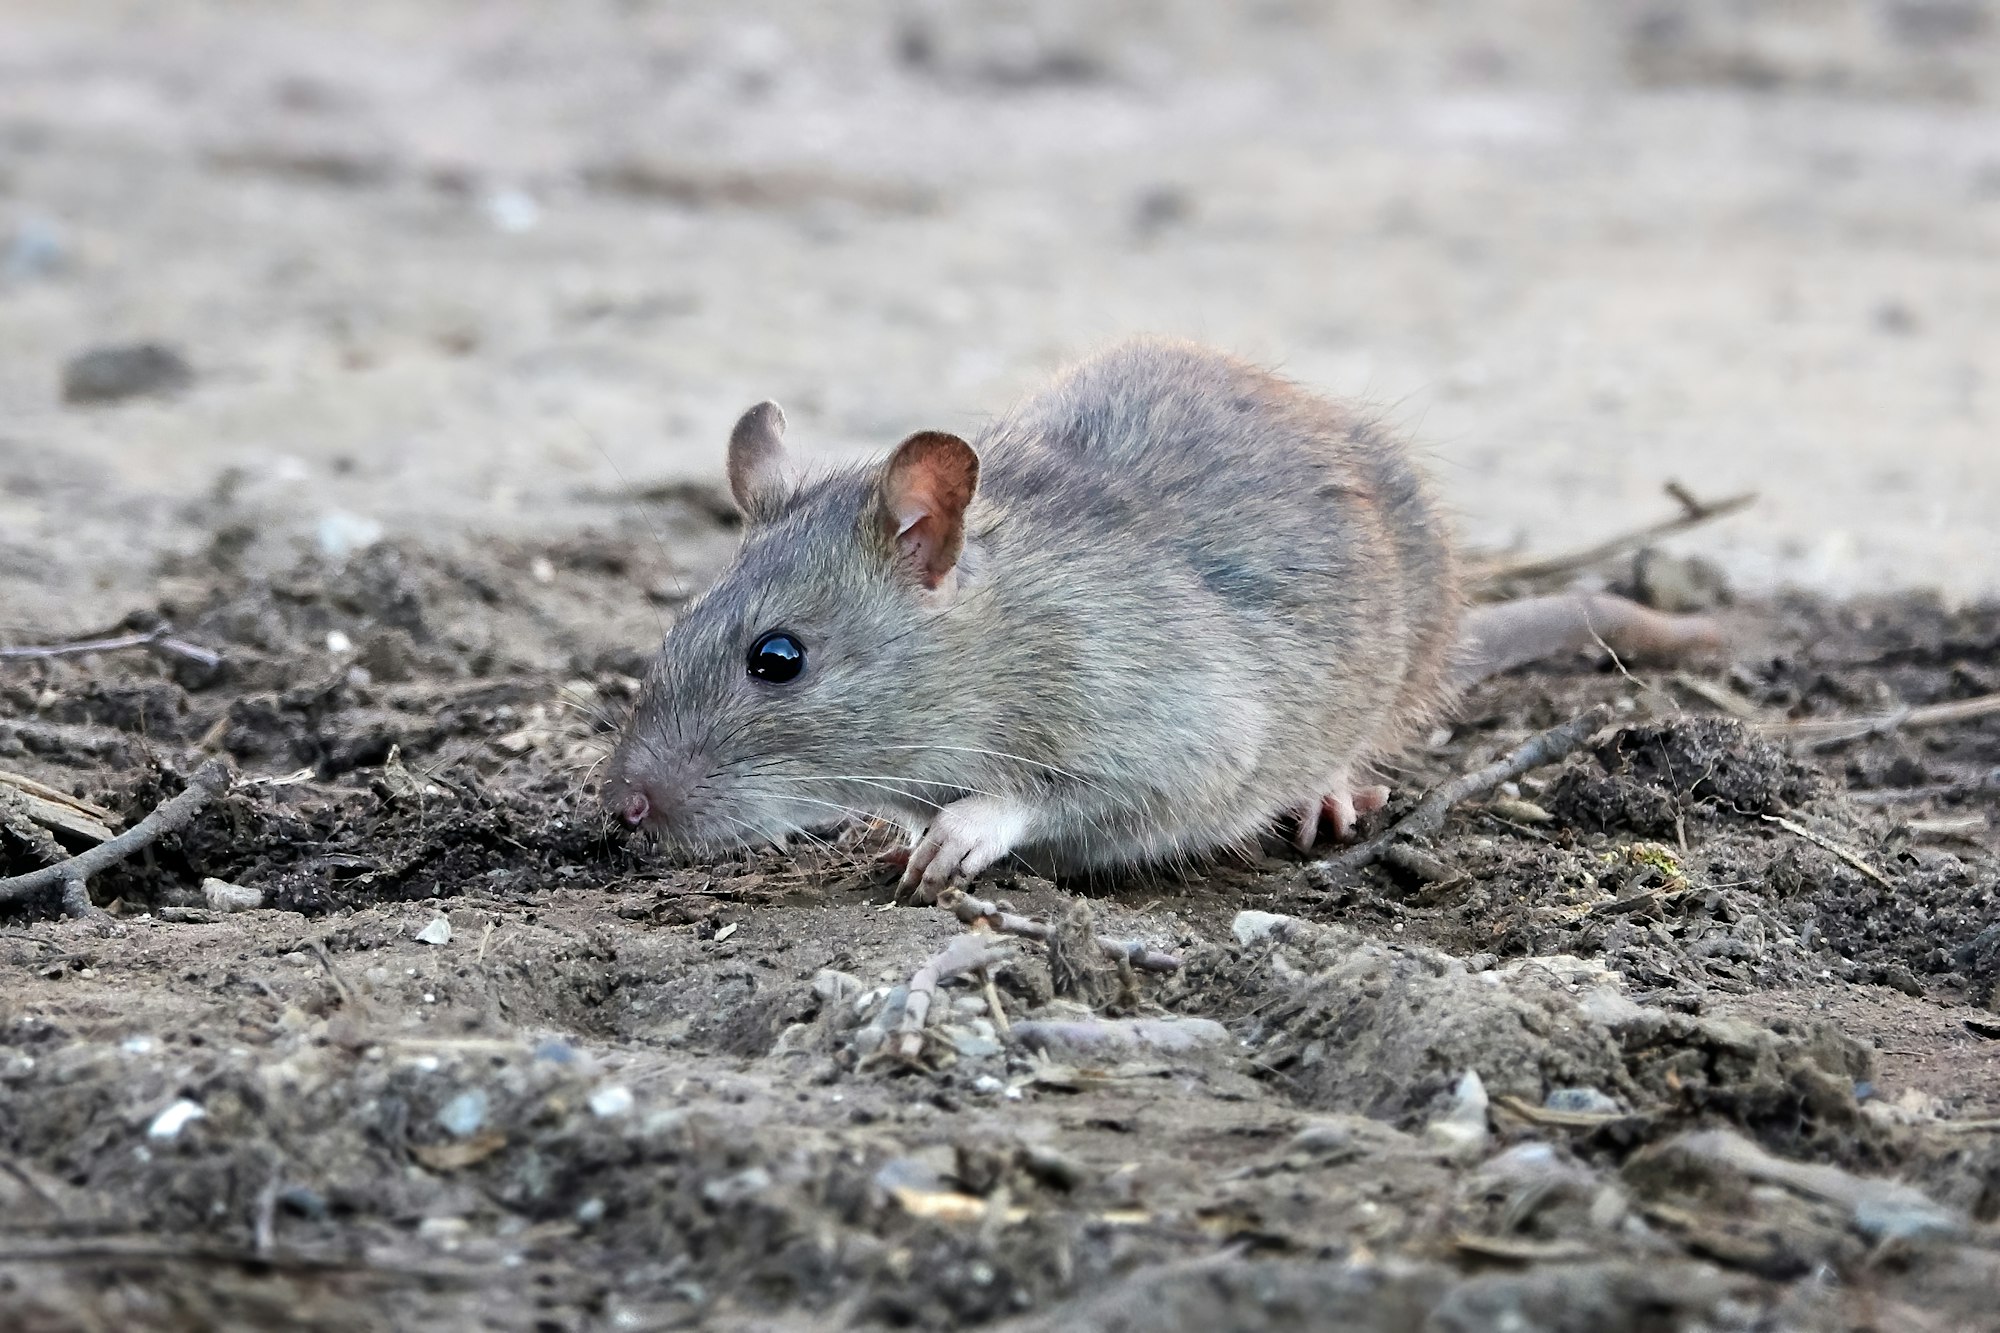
[{"x": 316, "y": 273}]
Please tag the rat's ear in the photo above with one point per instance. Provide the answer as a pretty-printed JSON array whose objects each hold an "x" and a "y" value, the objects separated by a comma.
[
  {"x": 759, "y": 477},
  {"x": 925, "y": 487}
]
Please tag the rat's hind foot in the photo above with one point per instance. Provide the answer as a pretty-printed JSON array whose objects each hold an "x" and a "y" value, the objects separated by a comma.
[
  {"x": 1340, "y": 809},
  {"x": 966, "y": 837}
]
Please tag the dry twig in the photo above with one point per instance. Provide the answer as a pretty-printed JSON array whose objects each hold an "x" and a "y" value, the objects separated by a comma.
[
  {"x": 1693, "y": 514},
  {"x": 1550, "y": 746},
  {"x": 160, "y": 641},
  {"x": 110, "y": 1250},
  {"x": 1719, "y": 697},
  {"x": 967, "y": 953},
  {"x": 995, "y": 916},
  {"x": 1828, "y": 731},
  {"x": 1001, "y": 1024},
  {"x": 1827, "y": 844},
  {"x": 209, "y": 780},
  {"x": 56, "y": 809},
  {"x": 1965, "y": 828}
]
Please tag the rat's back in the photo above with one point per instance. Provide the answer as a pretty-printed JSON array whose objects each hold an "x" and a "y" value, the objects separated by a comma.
[{"x": 1304, "y": 518}]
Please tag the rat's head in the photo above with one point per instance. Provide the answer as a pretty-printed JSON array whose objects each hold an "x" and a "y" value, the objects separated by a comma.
[{"x": 785, "y": 694}]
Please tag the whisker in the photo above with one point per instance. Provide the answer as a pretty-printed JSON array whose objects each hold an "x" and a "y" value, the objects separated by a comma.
[
  {"x": 803, "y": 800},
  {"x": 1001, "y": 754},
  {"x": 883, "y": 779}
]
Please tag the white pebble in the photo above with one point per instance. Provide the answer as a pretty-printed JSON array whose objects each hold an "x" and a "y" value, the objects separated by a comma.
[
  {"x": 169, "y": 1123},
  {"x": 615, "y": 1100},
  {"x": 341, "y": 534},
  {"x": 223, "y": 896}
]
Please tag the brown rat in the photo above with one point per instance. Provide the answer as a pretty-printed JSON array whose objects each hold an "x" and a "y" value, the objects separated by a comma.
[{"x": 1165, "y": 602}]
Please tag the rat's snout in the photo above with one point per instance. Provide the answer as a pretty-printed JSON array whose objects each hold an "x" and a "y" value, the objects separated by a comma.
[
  {"x": 650, "y": 786},
  {"x": 641, "y": 800},
  {"x": 635, "y": 807}
]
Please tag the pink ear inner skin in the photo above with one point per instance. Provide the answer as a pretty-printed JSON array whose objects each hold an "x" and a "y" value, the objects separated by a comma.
[{"x": 930, "y": 481}]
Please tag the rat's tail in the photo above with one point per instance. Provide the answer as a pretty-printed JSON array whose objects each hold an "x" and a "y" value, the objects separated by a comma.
[{"x": 1503, "y": 635}]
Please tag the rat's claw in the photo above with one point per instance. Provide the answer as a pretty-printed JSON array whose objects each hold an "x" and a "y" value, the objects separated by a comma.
[
  {"x": 1340, "y": 809},
  {"x": 966, "y": 837},
  {"x": 1307, "y": 832}
]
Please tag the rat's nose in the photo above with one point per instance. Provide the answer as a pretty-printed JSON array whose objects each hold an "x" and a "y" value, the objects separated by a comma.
[{"x": 635, "y": 799}]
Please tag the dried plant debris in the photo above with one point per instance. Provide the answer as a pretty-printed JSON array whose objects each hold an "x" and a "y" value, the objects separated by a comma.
[{"x": 1657, "y": 1033}]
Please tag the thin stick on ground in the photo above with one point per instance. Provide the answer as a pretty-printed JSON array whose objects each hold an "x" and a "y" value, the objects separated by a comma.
[
  {"x": 1693, "y": 514},
  {"x": 105, "y": 1250},
  {"x": 1823, "y": 731},
  {"x": 1828, "y": 845},
  {"x": 72, "y": 875},
  {"x": 56, "y": 809},
  {"x": 993, "y": 1005},
  {"x": 996, "y": 917},
  {"x": 160, "y": 641},
  {"x": 1549, "y": 747},
  {"x": 967, "y": 953}
]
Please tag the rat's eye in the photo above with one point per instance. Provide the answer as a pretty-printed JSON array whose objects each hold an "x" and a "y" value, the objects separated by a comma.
[{"x": 777, "y": 657}]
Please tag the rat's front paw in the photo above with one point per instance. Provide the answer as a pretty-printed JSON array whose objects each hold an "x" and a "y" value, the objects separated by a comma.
[
  {"x": 966, "y": 837},
  {"x": 1341, "y": 809}
]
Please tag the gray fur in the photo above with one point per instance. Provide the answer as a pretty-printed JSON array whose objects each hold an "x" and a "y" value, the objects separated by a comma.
[{"x": 1192, "y": 597}]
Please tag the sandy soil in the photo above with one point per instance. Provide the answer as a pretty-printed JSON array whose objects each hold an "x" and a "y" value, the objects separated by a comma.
[
  {"x": 1694, "y": 1031},
  {"x": 464, "y": 268}
]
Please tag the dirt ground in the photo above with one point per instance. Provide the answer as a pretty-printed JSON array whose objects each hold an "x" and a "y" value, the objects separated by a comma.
[
  {"x": 1697, "y": 1030},
  {"x": 611, "y": 1092}
]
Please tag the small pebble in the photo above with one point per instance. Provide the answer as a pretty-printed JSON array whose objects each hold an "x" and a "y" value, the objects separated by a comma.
[
  {"x": 746, "y": 1184},
  {"x": 832, "y": 986},
  {"x": 971, "y": 1044},
  {"x": 169, "y": 1123},
  {"x": 126, "y": 370},
  {"x": 908, "y": 1173},
  {"x": 437, "y": 932},
  {"x": 340, "y": 534},
  {"x": 1461, "y": 1131},
  {"x": 464, "y": 1114},
  {"x": 1251, "y": 926},
  {"x": 556, "y": 1052},
  {"x": 1583, "y": 1101},
  {"x": 615, "y": 1100},
  {"x": 446, "y": 1232},
  {"x": 305, "y": 1202},
  {"x": 222, "y": 896}
]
